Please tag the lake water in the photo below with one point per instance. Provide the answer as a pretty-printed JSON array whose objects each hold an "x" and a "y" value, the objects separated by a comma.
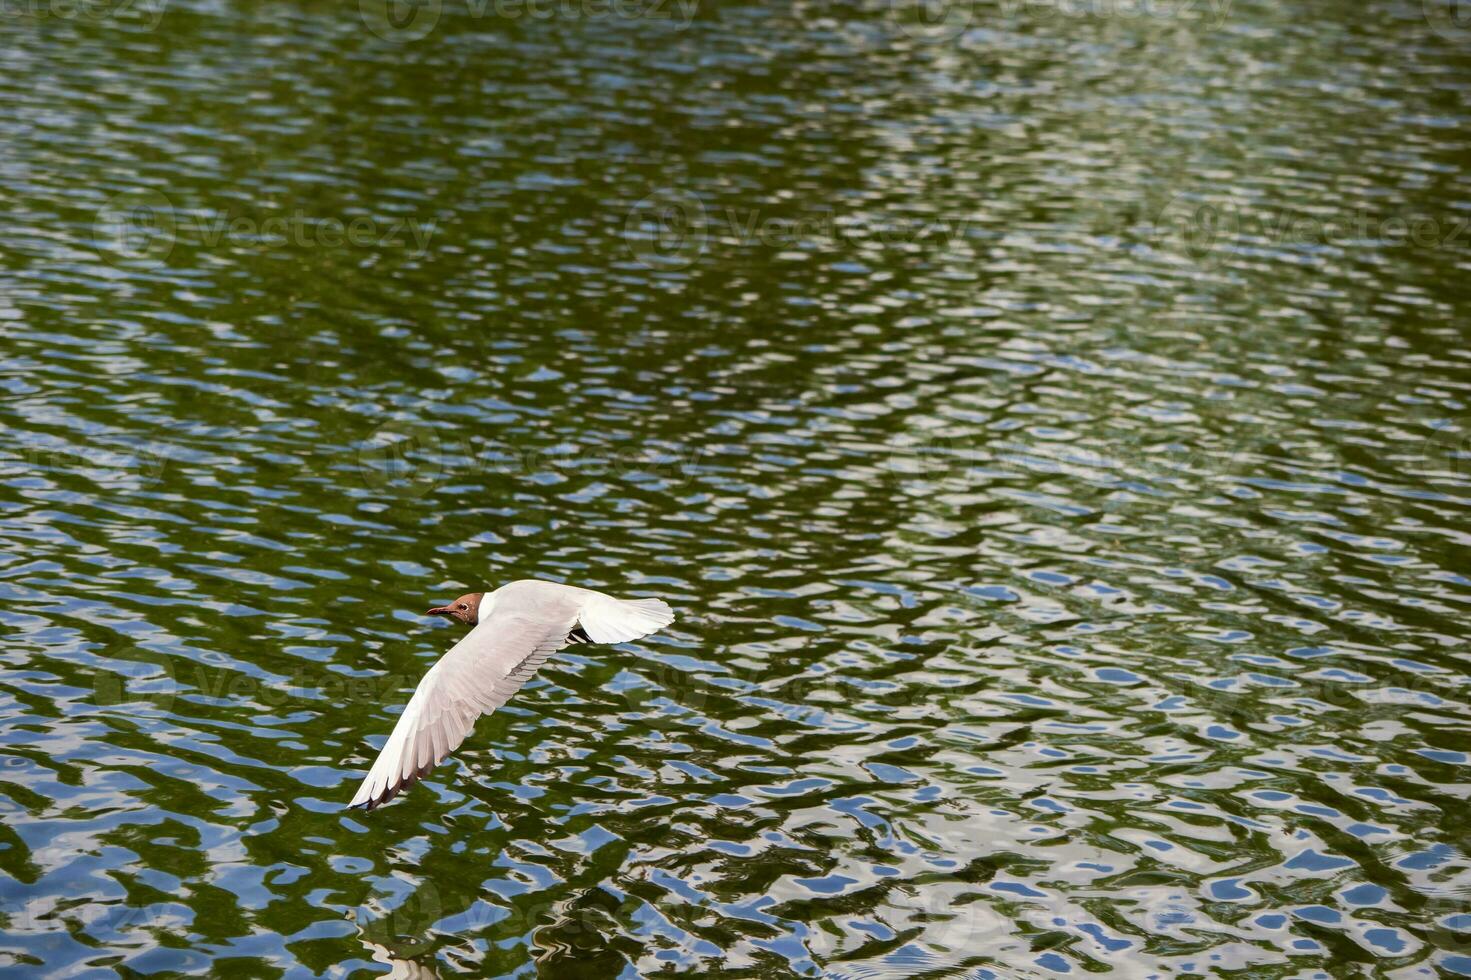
[{"x": 1049, "y": 422}]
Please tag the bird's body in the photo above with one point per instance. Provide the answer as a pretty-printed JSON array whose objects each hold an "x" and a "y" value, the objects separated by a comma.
[{"x": 516, "y": 628}]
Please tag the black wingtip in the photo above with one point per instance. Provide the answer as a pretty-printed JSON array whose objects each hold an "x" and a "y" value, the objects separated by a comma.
[{"x": 389, "y": 792}]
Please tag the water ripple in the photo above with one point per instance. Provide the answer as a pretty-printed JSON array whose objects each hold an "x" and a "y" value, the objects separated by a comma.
[{"x": 1048, "y": 421}]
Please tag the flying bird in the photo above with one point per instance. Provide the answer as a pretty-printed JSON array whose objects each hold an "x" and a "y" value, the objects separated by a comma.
[{"x": 516, "y": 628}]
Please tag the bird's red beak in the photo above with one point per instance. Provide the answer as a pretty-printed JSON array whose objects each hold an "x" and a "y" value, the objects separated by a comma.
[{"x": 440, "y": 611}]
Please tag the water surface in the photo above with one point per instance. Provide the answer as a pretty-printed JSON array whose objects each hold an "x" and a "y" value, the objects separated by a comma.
[{"x": 1049, "y": 423}]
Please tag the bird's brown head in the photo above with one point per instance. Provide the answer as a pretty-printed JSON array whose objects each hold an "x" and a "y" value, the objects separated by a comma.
[{"x": 466, "y": 609}]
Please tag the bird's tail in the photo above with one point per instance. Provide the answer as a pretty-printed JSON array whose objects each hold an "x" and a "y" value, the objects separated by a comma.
[{"x": 609, "y": 620}]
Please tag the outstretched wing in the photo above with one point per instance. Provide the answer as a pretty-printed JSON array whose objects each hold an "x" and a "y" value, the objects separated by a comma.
[
  {"x": 478, "y": 675},
  {"x": 608, "y": 620},
  {"x": 481, "y": 672}
]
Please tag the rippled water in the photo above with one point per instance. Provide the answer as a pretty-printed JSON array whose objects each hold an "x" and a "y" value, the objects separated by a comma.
[{"x": 1049, "y": 423}]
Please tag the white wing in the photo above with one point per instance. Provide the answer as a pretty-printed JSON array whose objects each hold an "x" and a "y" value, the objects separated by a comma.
[
  {"x": 608, "y": 620},
  {"x": 523, "y": 624}
]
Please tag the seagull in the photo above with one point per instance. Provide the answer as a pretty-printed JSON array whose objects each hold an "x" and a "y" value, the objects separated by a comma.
[{"x": 516, "y": 628}]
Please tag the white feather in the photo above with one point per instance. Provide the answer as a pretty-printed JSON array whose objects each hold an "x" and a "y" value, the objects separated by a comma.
[
  {"x": 608, "y": 620},
  {"x": 520, "y": 626}
]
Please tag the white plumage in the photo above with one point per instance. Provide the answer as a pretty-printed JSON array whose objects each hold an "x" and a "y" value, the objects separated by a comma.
[{"x": 520, "y": 626}]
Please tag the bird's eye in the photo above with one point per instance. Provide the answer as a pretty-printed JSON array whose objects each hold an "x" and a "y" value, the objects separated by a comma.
[{"x": 463, "y": 606}]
